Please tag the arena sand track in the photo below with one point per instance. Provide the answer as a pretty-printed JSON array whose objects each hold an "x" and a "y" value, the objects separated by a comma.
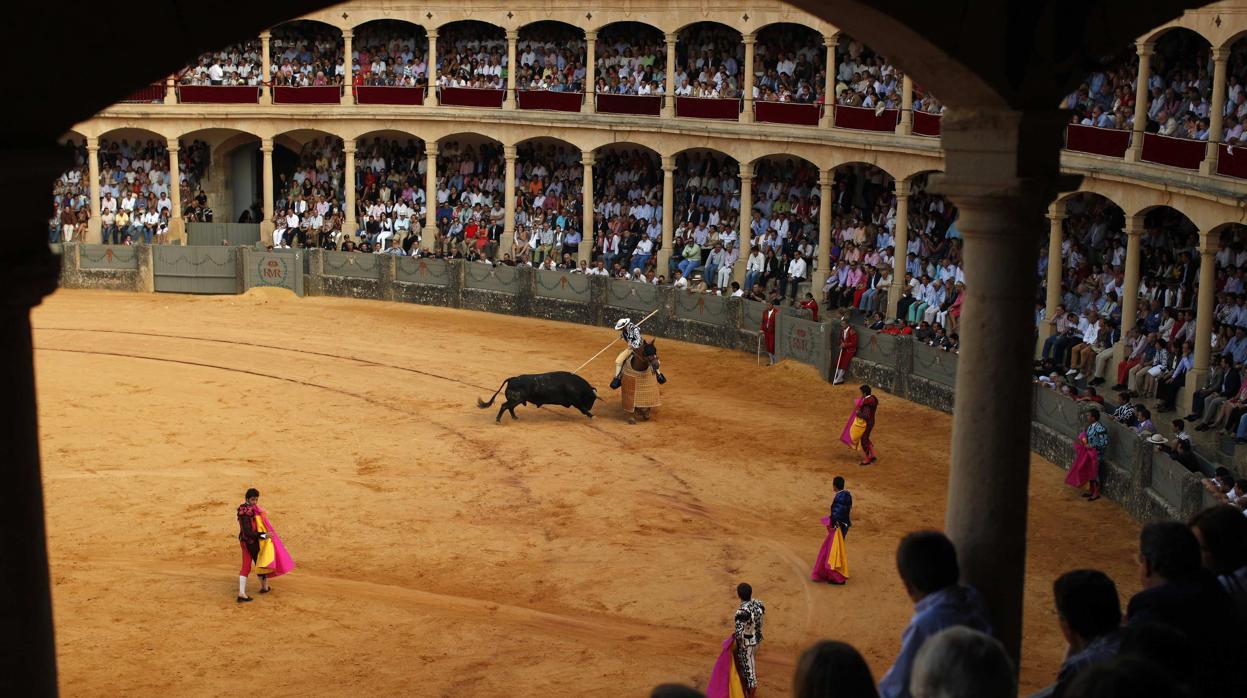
[{"x": 441, "y": 555}]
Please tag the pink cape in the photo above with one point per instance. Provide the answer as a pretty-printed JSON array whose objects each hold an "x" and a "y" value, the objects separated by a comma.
[
  {"x": 720, "y": 685},
  {"x": 824, "y": 572},
  {"x": 282, "y": 562},
  {"x": 846, "y": 436},
  {"x": 1086, "y": 465}
]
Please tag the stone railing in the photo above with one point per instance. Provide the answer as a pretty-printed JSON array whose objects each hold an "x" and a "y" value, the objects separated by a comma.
[{"x": 1145, "y": 482}]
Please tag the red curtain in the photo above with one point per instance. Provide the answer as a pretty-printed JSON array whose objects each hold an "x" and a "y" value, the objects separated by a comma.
[
  {"x": 926, "y": 124},
  {"x": 1097, "y": 141},
  {"x": 545, "y": 99},
  {"x": 1177, "y": 152},
  {"x": 1232, "y": 162},
  {"x": 218, "y": 94},
  {"x": 325, "y": 94},
  {"x": 154, "y": 92},
  {"x": 708, "y": 108},
  {"x": 865, "y": 119},
  {"x": 786, "y": 113},
  {"x": 472, "y": 97},
  {"x": 646, "y": 105},
  {"x": 389, "y": 95}
]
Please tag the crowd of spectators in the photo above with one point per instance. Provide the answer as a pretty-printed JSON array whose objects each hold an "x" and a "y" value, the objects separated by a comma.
[
  {"x": 306, "y": 54},
  {"x": 236, "y": 64},
  {"x": 709, "y": 62},
  {"x": 631, "y": 59},
  {"x": 788, "y": 65},
  {"x": 864, "y": 78},
  {"x": 549, "y": 181},
  {"x": 389, "y": 54},
  {"x": 472, "y": 54},
  {"x": 135, "y": 202},
  {"x": 470, "y": 202},
  {"x": 551, "y": 56},
  {"x": 308, "y": 205},
  {"x": 627, "y": 209},
  {"x": 389, "y": 183},
  {"x": 71, "y": 202}
]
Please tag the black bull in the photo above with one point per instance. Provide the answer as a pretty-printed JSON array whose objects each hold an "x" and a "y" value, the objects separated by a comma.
[{"x": 554, "y": 388}]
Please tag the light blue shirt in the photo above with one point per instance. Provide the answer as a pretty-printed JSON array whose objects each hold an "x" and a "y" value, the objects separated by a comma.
[{"x": 955, "y": 605}]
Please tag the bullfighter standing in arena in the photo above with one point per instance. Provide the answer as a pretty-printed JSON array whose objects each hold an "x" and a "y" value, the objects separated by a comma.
[
  {"x": 848, "y": 349},
  {"x": 638, "y": 371},
  {"x": 770, "y": 322},
  {"x": 861, "y": 423},
  {"x": 260, "y": 546}
]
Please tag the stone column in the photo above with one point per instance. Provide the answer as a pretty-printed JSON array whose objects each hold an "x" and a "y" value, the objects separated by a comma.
[
  {"x": 668, "y": 108},
  {"x": 819, "y": 277},
  {"x": 900, "y": 245},
  {"x": 508, "y": 199},
  {"x": 1130, "y": 282},
  {"x": 348, "y": 68},
  {"x": 266, "y": 68},
  {"x": 177, "y": 224},
  {"x": 591, "y": 45},
  {"x": 430, "y": 97},
  {"x": 1141, "y": 99},
  {"x": 1056, "y": 238},
  {"x": 906, "y": 125},
  {"x": 745, "y": 218},
  {"x": 1216, "y": 111},
  {"x": 829, "y": 82},
  {"x": 267, "y": 225},
  {"x": 508, "y": 102},
  {"x": 93, "y": 190},
  {"x": 429, "y": 237},
  {"x": 1203, "y": 319},
  {"x": 171, "y": 90},
  {"x": 1003, "y": 169},
  {"x": 746, "y": 115},
  {"x": 668, "y": 213},
  {"x": 585, "y": 253},
  {"x": 349, "y": 224}
]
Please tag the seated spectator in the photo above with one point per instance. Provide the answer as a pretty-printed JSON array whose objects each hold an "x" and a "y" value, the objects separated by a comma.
[
  {"x": 1222, "y": 535},
  {"x": 1181, "y": 452},
  {"x": 1124, "y": 677},
  {"x": 1089, "y": 614},
  {"x": 306, "y": 54},
  {"x": 927, "y": 563},
  {"x": 831, "y": 668},
  {"x": 960, "y": 662},
  {"x": 1178, "y": 592},
  {"x": 236, "y": 64}
]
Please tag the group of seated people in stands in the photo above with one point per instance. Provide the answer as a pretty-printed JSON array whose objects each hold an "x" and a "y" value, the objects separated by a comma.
[
  {"x": 389, "y": 183},
  {"x": 467, "y": 58},
  {"x": 709, "y": 64},
  {"x": 135, "y": 202},
  {"x": 385, "y": 56},
  {"x": 470, "y": 199},
  {"x": 236, "y": 64},
  {"x": 626, "y": 64},
  {"x": 554, "y": 62},
  {"x": 308, "y": 205},
  {"x": 549, "y": 182},
  {"x": 71, "y": 203},
  {"x": 306, "y": 55},
  {"x": 864, "y": 78},
  {"x": 788, "y": 66}
]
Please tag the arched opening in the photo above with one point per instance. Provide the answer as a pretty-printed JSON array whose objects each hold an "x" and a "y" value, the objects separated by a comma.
[
  {"x": 550, "y": 56},
  {"x": 221, "y": 174},
  {"x": 471, "y": 54},
  {"x": 389, "y": 53},
  {"x": 548, "y": 201},
  {"x": 1106, "y": 98},
  {"x": 709, "y": 61},
  {"x": 71, "y": 192},
  {"x": 306, "y": 53},
  {"x": 627, "y": 201},
  {"x": 134, "y": 185},
  {"x": 783, "y": 221},
  {"x": 389, "y": 178},
  {"x": 239, "y": 63},
  {"x": 1180, "y": 86},
  {"x": 631, "y": 59},
  {"x": 1168, "y": 264},
  {"x": 471, "y": 176},
  {"x": 789, "y": 64},
  {"x": 707, "y": 212},
  {"x": 1093, "y": 257},
  {"x": 1235, "y": 92},
  {"x": 307, "y": 186},
  {"x": 864, "y": 78}
]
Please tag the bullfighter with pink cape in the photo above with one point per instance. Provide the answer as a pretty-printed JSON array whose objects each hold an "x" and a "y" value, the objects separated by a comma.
[
  {"x": 832, "y": 565},
  {"x": 861, "y": 424},
  {"x": 260, "y": 545},
  {"x": 725, "y": 681}
]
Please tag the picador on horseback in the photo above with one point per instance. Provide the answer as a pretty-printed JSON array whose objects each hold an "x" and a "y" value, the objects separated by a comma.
[{"x": 638, "y": 372}]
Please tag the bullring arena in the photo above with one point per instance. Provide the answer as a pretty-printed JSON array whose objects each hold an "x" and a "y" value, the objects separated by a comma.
[{"x": 441, "y": 554}]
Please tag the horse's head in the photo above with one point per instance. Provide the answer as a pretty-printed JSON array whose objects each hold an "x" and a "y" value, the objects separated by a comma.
[{"x": 647, "y": 355}]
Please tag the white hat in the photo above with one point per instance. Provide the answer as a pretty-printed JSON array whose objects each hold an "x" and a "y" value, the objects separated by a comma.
[
  {"x": 623, "y": 322},
  {"x": 1157, "y": 439}
]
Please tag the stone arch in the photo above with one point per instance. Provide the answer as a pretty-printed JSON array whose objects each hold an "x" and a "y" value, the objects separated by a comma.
[
  {"x": 625, "y": 24},
  {"x": 1154, "y": 36},
  {"x": 72, "y": 136},
  {"x": 377, "y": 19},
  {"x": 457, "y": 25},
  {"x": 783, "y": 153},
  {"x": 537, "y": 24},
  {"x": 569, "y": 142},
  {"x": 368, "y": 131},
  {"x": 625, "y": 145},
  {"x": 708, "y": 23},
  {"x": 131, "y": 132}
]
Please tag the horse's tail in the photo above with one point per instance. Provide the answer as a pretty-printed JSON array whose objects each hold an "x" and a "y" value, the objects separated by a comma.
[{"x": 482, "y": 404}]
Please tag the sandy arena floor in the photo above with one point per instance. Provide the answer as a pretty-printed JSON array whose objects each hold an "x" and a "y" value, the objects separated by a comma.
[{"x": 441, "y": 555}]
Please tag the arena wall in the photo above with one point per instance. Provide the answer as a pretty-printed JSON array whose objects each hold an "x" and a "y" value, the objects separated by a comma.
[{"x": 1145, "y": 482}]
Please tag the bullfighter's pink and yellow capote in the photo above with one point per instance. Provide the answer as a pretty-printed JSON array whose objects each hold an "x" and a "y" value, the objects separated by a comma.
[
  {"x": 273, "y": 559},
  {"x": 832, "y": 564},
  {"x": 725, "y": 678}
]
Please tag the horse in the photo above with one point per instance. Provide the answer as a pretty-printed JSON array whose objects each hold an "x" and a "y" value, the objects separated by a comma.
[{"x": 639, "y": 381}]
